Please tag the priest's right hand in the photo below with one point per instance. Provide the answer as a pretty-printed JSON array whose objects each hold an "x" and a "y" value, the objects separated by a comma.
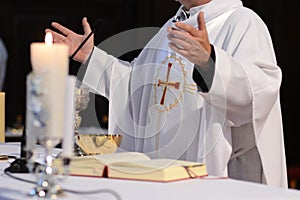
[{"x": 73, "y": 40}]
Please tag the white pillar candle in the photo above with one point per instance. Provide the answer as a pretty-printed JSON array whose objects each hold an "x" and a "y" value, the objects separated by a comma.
[
  {"x": 68, "y": 140},
  {"x": 2, "y": 117},
  {"x": 51, "y": 62}
]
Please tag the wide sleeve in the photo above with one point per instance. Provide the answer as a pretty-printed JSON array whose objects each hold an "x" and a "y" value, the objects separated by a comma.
[
  {"x": 105, "y": 72},
  {"x": 245, "y": 69},
  {"x": 111, "y": 77}
]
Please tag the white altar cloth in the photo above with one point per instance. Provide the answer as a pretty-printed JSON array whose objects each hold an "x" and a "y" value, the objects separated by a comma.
[{"x": 207, "y": 188}]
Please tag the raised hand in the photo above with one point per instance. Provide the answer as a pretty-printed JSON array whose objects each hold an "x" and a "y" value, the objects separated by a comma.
[
  {"x": 190, "y": 42},
  {"x": 73, "y": 40}
]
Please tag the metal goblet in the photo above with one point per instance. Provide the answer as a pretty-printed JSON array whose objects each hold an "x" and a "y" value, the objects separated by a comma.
[{"x": 82, "y": 99}]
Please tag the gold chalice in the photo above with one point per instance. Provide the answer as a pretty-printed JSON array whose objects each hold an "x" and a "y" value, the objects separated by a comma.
[{"x": 92, "y": 144}]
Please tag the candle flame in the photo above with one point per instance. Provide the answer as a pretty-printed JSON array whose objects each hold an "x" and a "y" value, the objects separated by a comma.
[{"x": 48, "y": 39}]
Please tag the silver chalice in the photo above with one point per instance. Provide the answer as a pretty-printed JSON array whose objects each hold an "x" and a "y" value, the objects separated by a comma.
[{"x": 82, "y": 99}]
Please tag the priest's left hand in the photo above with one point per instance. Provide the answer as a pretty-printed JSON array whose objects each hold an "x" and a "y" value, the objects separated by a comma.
[{"x": 190, "y": 42}]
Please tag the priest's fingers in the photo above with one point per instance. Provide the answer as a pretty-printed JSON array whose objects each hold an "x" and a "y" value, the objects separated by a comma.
[
  {"x": 192, "y": 35},
  {"x": 181, "y": 43},
  {"x": 62, "y": 29},
  {"x": 177, "y": 49},
  {"x": 190, "y": 48},
  {"x": 86, "y": 26},
  {"x": 201, "y": 22},
  {"x": 178, "y": 34},
  {"x": 186, "y": 27}
]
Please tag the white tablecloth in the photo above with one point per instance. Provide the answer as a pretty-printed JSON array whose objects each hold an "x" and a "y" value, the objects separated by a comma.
[{"x": 208, "y": 189}]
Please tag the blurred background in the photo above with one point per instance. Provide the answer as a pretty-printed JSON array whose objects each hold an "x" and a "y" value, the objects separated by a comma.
[{"x": 24, "y": 21}]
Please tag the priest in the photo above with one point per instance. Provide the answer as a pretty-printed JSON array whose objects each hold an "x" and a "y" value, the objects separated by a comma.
[{"x": 205, "y": 88}]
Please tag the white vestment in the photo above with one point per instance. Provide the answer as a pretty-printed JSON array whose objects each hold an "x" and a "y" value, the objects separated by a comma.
[{"x": 154, "y": 103}]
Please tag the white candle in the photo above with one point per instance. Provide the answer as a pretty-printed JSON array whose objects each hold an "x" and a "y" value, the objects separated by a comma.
[
  {"x": 51, "y": 62},
  {"x": 32, "y": 132},
  {"x": 68, "y": 141},
  {"x": 2, "y": 117}
]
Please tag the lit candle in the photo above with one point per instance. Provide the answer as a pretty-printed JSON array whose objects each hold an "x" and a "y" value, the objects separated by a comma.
[{"x": 51, "y": 62}]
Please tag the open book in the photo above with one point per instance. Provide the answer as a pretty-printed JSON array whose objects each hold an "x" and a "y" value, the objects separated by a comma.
[{"x": 135, "y": 166}]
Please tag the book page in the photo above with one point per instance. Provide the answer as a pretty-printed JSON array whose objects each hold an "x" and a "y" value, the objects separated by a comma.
[
  {"x": 121, "y": 157},
  {"x": 155, "y": 164},
  {"x": 157, "y": 170}
]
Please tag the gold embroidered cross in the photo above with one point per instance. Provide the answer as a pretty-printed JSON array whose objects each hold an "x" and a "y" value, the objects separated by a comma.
[{"x": 167, "y": 84}]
